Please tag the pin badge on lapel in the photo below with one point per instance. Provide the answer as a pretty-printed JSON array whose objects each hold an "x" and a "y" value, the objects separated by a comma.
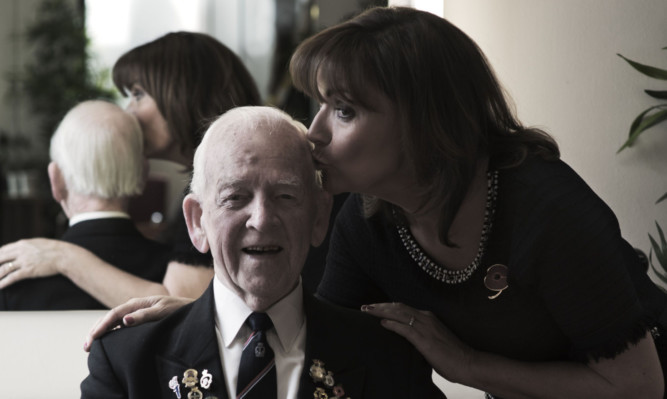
[
  {"x": 206, "y": 379},
  {"x": 190, "y": 380},
  {"x": 174, "y": 386}
]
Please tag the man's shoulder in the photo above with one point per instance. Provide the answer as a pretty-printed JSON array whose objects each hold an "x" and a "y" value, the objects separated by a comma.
[
  {"x": 147, "y": 337},
  {"x": 348, "y": 341},
  {"x": 365, "y": 330}
]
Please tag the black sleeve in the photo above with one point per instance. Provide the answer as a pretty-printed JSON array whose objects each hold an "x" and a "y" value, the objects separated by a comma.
[
  {"x": 346, "y": 281},
  {"x": 101, "y": 381},
  {"x": 569, "y": 245}
]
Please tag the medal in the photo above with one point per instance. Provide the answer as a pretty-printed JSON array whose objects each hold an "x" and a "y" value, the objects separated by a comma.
[
  {"x": 190, "y": 378},
  {"x": 195, "y": 393},
  {"x": 320, "y": 394},
  {"x": 317, "y": 370},
  {"x": 329, "y": 380}
]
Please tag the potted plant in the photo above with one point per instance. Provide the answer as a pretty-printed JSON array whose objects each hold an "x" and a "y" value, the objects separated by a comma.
[{"x": 648, "y": 118}]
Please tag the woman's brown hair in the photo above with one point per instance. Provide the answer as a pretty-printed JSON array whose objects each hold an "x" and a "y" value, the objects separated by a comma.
[
  {"x": 452, "y": 108},
  {"x": 192, "y": 77}
]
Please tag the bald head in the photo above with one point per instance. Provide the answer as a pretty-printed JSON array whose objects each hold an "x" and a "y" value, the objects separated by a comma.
[{"x": 254, "y": 132}]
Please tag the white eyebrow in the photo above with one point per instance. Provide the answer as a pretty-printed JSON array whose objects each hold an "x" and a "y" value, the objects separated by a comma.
[
  {"x": 224, "y": 185},
  {"x": 290, "y": 181}
]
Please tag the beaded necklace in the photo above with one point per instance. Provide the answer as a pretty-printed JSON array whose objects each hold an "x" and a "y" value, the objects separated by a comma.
[{"x": 455, "y": 276}]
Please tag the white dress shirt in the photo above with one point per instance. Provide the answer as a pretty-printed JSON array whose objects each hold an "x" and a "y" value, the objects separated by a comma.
[
  {"x": 287, "y": 338},
  {"x": 80, "y": 217}
]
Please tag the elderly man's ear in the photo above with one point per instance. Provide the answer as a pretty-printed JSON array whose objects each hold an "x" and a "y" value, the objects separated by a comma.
[
  {"x": 193, "y": 212},
  {"x": 58, "y": 186},
  {"x": 324, "y": 204}
]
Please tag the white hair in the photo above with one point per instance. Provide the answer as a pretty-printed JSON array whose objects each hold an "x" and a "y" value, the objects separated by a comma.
[
  {"x": 98, "y": 148},
  {"x": 248, "y": 118}
]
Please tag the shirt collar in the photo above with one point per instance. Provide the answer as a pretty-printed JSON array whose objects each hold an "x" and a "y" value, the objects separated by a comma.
[
  {"x": 287, "y": 314},
  {"x": 80, "y": 217}
]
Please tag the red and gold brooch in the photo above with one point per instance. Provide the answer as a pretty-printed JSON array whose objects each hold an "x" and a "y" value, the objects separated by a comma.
[{"x": 496, "y": 279}]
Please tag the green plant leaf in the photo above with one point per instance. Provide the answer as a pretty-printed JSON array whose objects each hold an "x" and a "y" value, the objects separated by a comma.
[
  {"x": 664, "y": 197},
  {"x": 647, "y": 70},
  {"x": 661, "y": 274},
  {"x": 660, "y": 249},
  {"x": 661, "y": 268},
  {"x": 643, "y": 122},
  {"x": 659, "y": 94},
  {"x": 663, "y": 244}
]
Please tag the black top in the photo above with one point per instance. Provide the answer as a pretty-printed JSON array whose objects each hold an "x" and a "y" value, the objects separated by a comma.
[
  {"x": 115, "y": 241},
  {"x": 573, "y": 281}
]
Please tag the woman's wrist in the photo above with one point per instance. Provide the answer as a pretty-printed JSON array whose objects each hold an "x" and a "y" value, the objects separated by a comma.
[{"x": 67, "y": 256}]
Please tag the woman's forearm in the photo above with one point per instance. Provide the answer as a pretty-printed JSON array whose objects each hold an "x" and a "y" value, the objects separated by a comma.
[
  {"x": 633, "y": 373},
  {"x": 103, "y": 281}
]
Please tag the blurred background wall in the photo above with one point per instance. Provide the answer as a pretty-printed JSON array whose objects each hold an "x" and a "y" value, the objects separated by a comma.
[{"x": 556, "y": 58}]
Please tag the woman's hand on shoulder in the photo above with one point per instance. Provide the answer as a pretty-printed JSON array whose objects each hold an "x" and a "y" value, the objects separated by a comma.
[
  {"x": 32, "y": 258},
  {"x": 134, "y": 312}
]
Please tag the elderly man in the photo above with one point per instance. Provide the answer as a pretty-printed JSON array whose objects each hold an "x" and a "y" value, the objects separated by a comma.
[
  {"x": 257, "y": 205},
  {"x": 96, "y": 165}
]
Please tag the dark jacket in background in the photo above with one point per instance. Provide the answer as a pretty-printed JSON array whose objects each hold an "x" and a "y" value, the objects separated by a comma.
[{"x": 114, "y": 240}]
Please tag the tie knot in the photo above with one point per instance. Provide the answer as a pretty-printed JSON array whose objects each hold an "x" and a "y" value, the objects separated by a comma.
[{"x": 259, "y": 321}]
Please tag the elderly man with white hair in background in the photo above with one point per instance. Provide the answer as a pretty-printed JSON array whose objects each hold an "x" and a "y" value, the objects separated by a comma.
[
  {"x": 257, "y": 204},
  {"x": 96, "y": 165}
]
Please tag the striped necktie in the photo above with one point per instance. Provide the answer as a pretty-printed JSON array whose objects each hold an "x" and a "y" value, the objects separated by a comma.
[{"x": 257, "y": 371}]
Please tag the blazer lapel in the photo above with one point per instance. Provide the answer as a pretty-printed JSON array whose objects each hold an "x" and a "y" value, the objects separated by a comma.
[
  {"x": 194, "y": 346},
  {"x": 326, "y": 340}
]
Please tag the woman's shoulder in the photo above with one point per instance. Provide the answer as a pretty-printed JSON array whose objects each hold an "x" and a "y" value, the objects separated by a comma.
[
  {"x": 538, "y": 180},
  {"x": 537, "y": 171}
]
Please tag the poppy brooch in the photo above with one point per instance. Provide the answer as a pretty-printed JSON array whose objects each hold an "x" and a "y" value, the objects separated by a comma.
[{"x": 496, "y": 279}]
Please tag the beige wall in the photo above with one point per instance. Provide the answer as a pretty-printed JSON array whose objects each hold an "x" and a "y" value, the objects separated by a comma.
[{"x": 558, "y": 61}]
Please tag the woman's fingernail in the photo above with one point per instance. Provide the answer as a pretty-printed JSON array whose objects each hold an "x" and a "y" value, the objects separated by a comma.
[
  {"x": 85, "y": 346},
  {"x": 367, "y": 307},
  {"x": 128, "y": 320}
]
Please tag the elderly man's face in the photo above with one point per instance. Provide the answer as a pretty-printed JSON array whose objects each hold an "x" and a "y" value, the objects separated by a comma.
[{"x": 259, "y": 212}]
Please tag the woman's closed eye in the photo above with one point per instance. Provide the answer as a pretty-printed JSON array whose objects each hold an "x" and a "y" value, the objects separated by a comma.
[{"x": 137, "y": 92}]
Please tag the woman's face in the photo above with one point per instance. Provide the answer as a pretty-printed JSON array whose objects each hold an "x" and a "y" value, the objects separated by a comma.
[
  {"x": 357, "y": 149},
  {"x": 158, "y": 142}
]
